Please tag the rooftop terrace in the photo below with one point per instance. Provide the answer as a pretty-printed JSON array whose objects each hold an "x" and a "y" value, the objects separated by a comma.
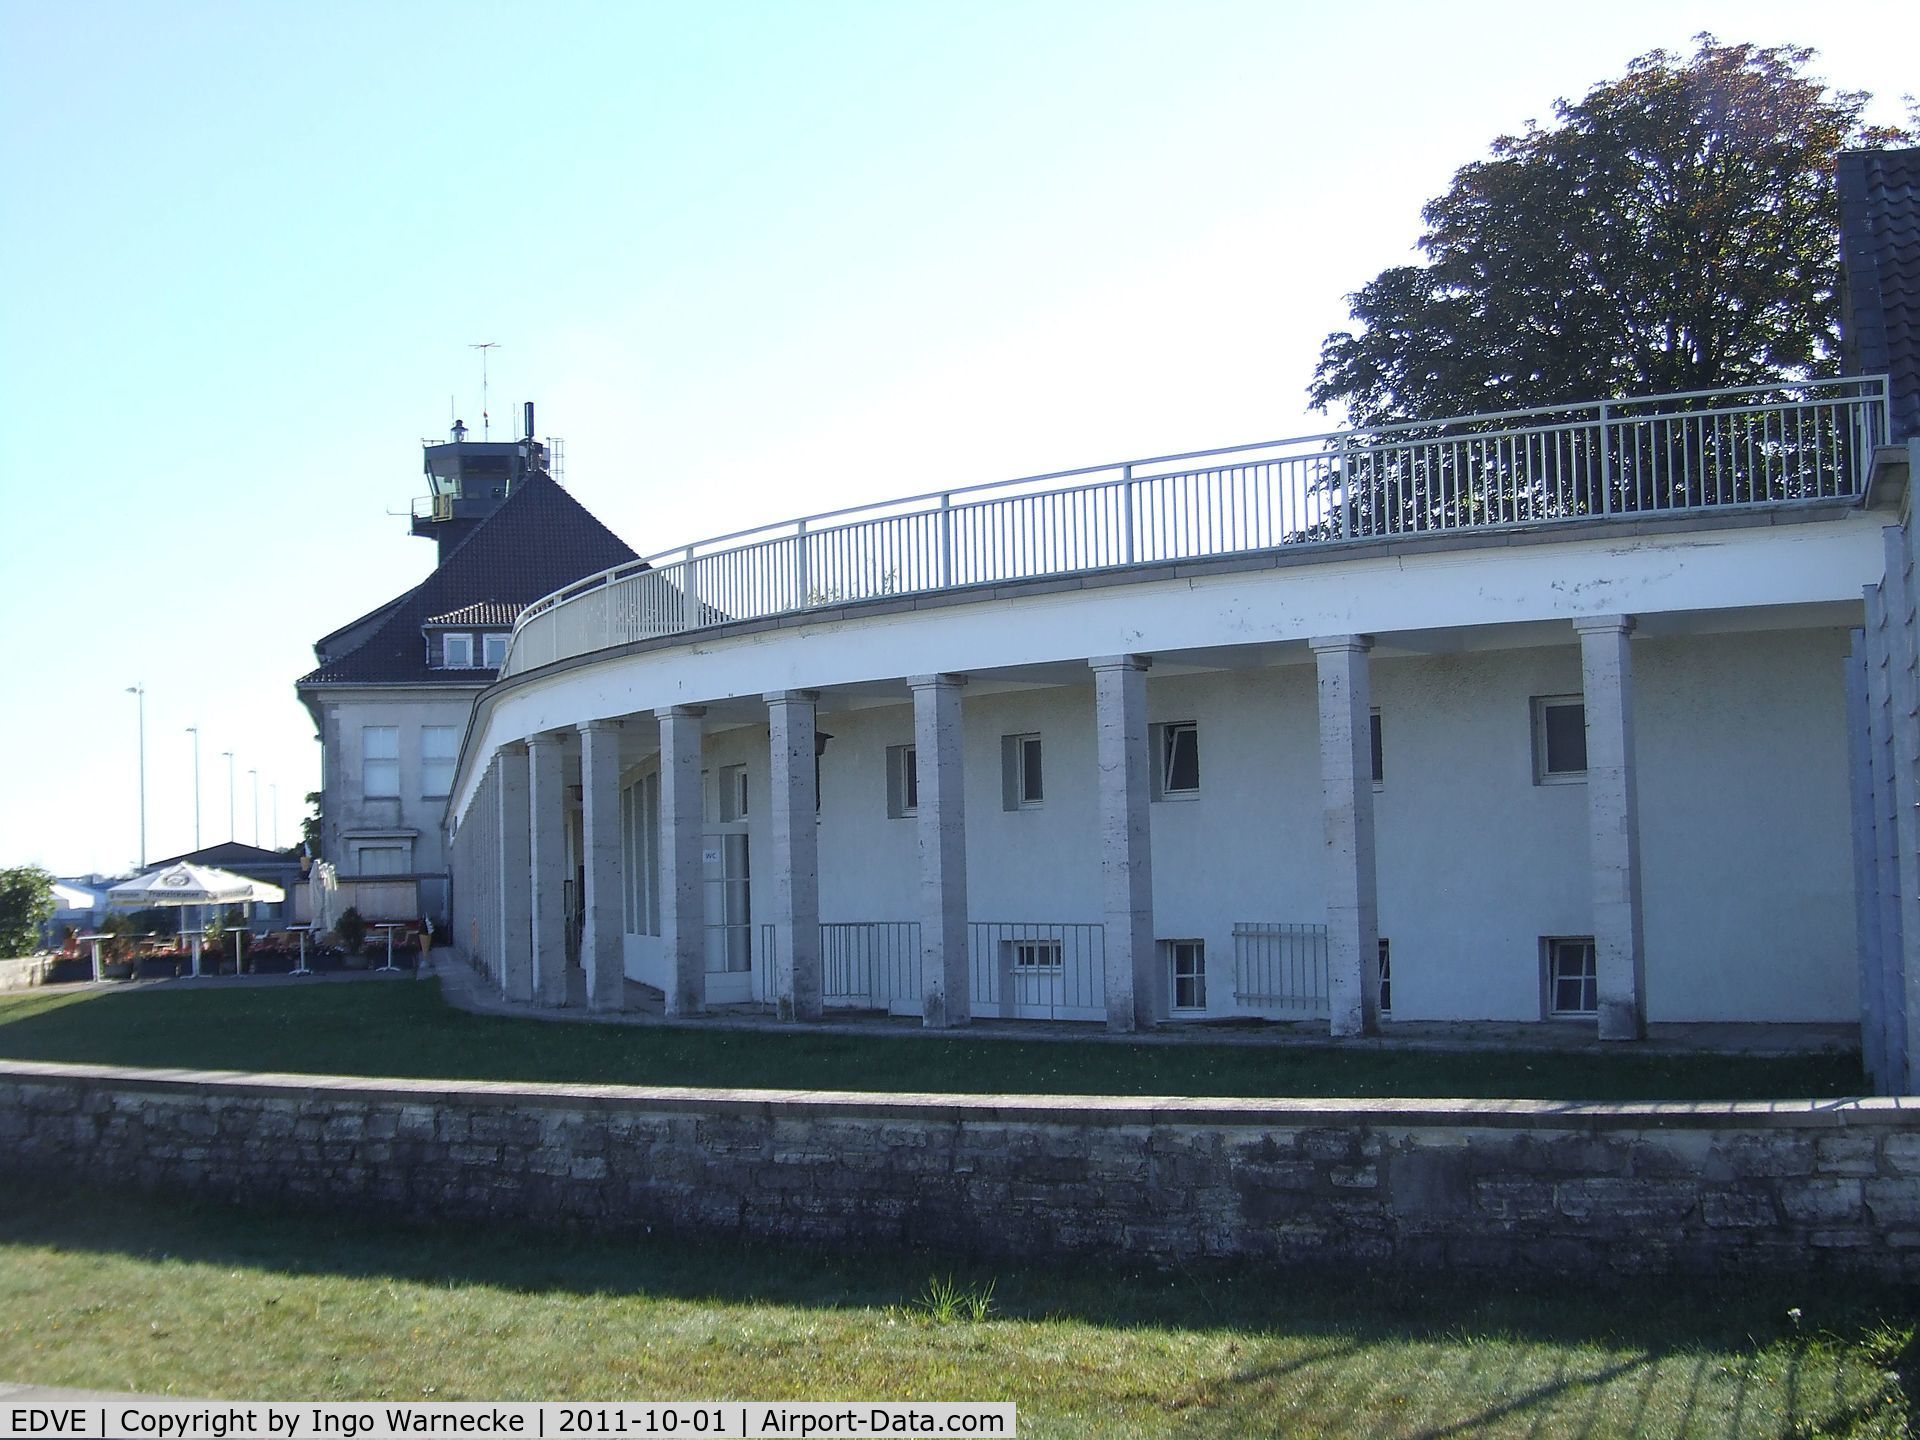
[{"x": 1754, "y": 449}]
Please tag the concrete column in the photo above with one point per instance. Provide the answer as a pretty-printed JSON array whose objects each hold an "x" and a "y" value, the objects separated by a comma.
[
  {"x": 796, "y": 853},
  {"x": 1613, "y": 825},
  {"x": 947, "y": 995},
  {"x": 603, "y": 943},
  {"x": 1866, "y": 908},
  {"x": 547, "y": 812},
  {"x": 515, "y": 887},
  {"x": 1890, "y": 1013},
  {"x": 1346, "y": 788},
  {"x": 683, "y": 913},
  {"x": 1902, "y": 639},
  {"x": 1136, "y": 986}
]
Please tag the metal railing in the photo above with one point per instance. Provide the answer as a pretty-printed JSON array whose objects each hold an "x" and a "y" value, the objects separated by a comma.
[
  {"x": 871, "y": 964},
  {"x": 1038, "y": 970},
  {"x": 1280, "y": 969},
  {"x": 1772, "y": 445}
]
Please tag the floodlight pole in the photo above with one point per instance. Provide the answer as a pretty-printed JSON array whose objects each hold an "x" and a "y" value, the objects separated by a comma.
[
  {"x": 232, "y": 829},
  {"x": 255, "y": 774},
  {"x": 194, "y": 730},
  {"x": 139, "y": 692}
]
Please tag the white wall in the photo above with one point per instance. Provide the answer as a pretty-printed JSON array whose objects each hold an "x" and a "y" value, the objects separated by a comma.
[
  {"x": 345, "y": 806},
  {"x": 1486, "y": 585},
  {"x": 1743, "y": 801}
]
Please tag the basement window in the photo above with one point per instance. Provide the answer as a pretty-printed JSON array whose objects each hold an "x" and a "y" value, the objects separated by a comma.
[
  {"x": 1032, "y": 955},
  {"x": 1572, "y": 976},
  {"x": 1189, "y": 962}
]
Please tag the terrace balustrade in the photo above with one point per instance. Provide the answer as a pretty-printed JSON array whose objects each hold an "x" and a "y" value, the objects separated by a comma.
[{"x": 1756, "y": 447}]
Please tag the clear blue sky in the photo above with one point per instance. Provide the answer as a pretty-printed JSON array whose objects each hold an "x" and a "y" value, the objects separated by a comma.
[{"x": 750, "y": 259}]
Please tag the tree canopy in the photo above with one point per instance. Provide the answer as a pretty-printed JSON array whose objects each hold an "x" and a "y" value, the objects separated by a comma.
[
  {"x": 26, "y": 900},
  {"x": 1676, "y": 229}
]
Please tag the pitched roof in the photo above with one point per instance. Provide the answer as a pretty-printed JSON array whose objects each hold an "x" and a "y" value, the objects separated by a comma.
[
  {"x": 481, "y": 613},
  {"x": 1880, "y": 246},
  {"x": 539, "y": 540},
  {"x": 233, "y": 855}
]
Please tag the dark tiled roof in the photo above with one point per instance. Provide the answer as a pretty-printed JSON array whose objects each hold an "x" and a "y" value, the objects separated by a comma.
[
  {"x": 540, "y": 539},
  {"x": 496, "y": 613},
  {"x": 248, "y": 860},
  {"x": 1880, "y": 248}
]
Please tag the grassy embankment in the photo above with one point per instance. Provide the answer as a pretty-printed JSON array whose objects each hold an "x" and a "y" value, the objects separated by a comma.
[{"x": 405, "y": 1029}]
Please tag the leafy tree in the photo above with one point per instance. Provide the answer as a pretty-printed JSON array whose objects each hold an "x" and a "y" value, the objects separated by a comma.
[
  {"x": 1676, "y": 229},
  {"x": 26, "y": 903},
  {"x": 310, "y": 824}
]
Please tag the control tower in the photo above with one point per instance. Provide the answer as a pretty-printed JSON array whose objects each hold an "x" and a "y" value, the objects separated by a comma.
[{"x": 468, "y": 479}]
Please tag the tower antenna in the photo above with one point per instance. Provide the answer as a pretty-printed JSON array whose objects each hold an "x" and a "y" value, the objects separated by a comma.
[{"x": 485, "y": 420}]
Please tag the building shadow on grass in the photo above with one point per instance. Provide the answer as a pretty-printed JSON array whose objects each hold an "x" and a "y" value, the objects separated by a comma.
[{"x": 1612, "y": 1329}]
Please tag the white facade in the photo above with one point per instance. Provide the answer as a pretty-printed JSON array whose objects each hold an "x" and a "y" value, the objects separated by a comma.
[
  {"x": 1739, "y": 654},
  {"x": 1613, "y": 777},
  {"x": 390, "y": 755}
]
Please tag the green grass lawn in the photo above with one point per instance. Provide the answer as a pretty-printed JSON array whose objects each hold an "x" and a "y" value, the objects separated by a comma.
[
  {"x": 111, "y": 1291},
  {"x": 407, "y": 1030}
]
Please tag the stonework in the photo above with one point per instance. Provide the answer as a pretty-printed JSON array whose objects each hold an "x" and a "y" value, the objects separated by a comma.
[{"x": 1539, "y": 1186}]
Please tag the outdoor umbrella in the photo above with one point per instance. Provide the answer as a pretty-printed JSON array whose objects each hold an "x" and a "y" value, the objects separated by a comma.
[{"x": 185, "y": 884}]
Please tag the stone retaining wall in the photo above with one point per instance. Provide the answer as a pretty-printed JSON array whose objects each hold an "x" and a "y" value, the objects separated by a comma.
[
  {"x": 1527, "y": 1184},
  {"x": 21, "y": 973}
]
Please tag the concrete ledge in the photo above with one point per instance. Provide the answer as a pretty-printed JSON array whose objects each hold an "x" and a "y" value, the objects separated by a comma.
[{"x": 1888, "y": 1113}]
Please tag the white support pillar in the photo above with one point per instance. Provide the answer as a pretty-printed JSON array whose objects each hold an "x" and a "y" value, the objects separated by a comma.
[
  {"x": 683, "y": 916},
  {"x": 1136, "y": 986},
  {"x": 1346, "y": 788},
  {"x": 1902, "y": 638},
  {"x": 516, "y": 878},
  {"x": 947, "y": 995},
  {"x": 791, "y": 732},
  {"x": 602, "y": 943},
  {"x": 547, "y": 830},
  {"x": 1890, "y": 1009},
  {"x": 1613, "y": 826},
  {"x": 1866, "y": 886}
]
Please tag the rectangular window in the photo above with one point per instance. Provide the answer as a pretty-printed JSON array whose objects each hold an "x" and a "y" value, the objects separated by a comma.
[
  {"x": 380, "y": 762},
  {"x": 1189, "y": 959},
  {"x": 1176, "y": 759},
  {"x": 1386, "y": 978},
  {"x": 1572, "y": 976},
  {"x": 1379, "y": 750},
  {"x": 456, "y": 651},
  {"x": 494, "y": 650},
  {"x": 640, "y": 844},
  {"x": 383, "y": 859},
  {"x": 1559, "y": 739},
  {"x": 1029, "y": 955},
  {"x": 733, "y": 793},
  {"x": 1021, "y": 787},
  {"x": 903, "y": 781},
  {"x": 439, "y": 750}
]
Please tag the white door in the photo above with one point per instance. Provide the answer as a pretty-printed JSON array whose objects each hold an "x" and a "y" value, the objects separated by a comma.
[{"x": 729, "y": 904}]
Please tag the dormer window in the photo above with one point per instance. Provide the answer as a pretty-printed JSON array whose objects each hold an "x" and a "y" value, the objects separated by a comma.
[
  {"x": 456, "y": 652},
  {"x": 494, "y": 648}
]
